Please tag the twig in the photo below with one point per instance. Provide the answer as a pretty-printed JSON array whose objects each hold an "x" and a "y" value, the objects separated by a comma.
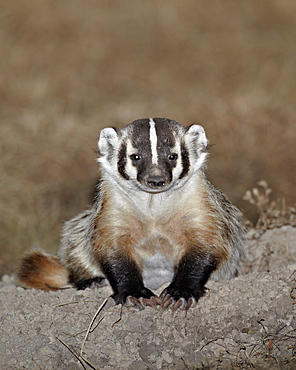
[
  {"x": 212, "y": 341},
  {"x": 78, "y": 356},
  {"x": 94, "y": 328},
  {"x": 120, "y": 317},
  {"x": 64, "y": 304},
  {"x": 90, "y": 325}
]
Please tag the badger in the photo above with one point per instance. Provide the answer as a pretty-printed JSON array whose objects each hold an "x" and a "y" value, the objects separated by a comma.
[{"x": 156, "y": 219}]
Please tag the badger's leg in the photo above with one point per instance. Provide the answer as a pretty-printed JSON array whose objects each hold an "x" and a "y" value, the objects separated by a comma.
[
  {"x": 126, "y": 281},
  {"x": 188, "y": 284},
  {"x": 81, "y": 277}
]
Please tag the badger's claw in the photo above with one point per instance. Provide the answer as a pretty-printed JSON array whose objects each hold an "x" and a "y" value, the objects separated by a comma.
[
  {"x": 152, "y": 302},
  {"x": 167, "y": 301},
  {"x": 183, "y": 304},
  {"x": 141, "y": 302},
  {"x": 133, "y": 302},
  {"x": 190, "y": 303}
]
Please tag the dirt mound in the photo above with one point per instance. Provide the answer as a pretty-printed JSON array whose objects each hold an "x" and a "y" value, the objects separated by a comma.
[{"x": 247, "y": 322}]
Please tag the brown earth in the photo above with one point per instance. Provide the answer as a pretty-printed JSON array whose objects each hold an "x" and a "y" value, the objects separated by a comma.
[
  {"x": 68, "y": 69},
  {"x": 245, "y": 323}
]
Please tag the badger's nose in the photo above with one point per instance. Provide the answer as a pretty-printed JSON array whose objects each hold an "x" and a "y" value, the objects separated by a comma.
[{"x": 156, "y": 182}]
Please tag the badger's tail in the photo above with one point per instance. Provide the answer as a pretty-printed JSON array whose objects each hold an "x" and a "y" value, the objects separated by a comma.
[{"x": 42, "y": 271}]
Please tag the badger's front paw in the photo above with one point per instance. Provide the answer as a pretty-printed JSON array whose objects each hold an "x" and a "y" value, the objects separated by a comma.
[
  {"x": 180, "y": 298},
  {"x": 139, "y": 299}
]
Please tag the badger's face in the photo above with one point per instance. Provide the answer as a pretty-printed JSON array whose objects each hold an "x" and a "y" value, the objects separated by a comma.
[{"x": 152, "y": 154}]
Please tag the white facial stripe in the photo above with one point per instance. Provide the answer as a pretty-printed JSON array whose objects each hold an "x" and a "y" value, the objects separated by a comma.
[
  {"x": 129, "y": 168},
  {"x": 153, "y": 142}
]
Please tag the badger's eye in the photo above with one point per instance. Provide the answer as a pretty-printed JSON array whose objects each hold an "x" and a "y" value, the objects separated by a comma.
[
  {"x": 173, "y": 157},
  {"x": 135, "y": 157}
]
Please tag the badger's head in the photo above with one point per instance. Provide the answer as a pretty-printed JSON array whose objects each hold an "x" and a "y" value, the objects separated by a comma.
[{"x": 152, "y": 154}]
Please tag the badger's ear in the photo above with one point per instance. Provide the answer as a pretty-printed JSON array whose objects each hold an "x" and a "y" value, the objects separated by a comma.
[
  {"x": 108, "y": 141},
  {"x": 197, "y": 136}
]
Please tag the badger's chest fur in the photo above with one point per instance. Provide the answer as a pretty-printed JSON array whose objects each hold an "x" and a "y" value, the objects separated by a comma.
[{"x": 156, "y": 218}]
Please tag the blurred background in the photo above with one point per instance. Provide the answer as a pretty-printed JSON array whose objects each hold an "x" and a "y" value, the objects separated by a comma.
[{"x": 69, "y": 68}]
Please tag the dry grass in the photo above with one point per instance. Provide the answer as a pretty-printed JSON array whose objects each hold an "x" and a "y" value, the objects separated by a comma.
[
  {"x": 69, "y": 68},
  {"x": 271, "y": 214}
]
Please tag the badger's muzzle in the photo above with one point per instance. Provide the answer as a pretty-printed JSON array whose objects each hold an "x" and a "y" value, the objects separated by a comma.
[
  {"x": 154, "y": 179},
  {"x": 156, "y": 182}
]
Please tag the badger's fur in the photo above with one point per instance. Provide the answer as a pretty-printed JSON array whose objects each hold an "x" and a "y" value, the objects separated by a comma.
[{"x": 156, "y": 219}]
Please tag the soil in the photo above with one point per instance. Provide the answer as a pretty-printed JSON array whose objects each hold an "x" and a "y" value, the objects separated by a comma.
[{"x": 245, "y": 323}]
